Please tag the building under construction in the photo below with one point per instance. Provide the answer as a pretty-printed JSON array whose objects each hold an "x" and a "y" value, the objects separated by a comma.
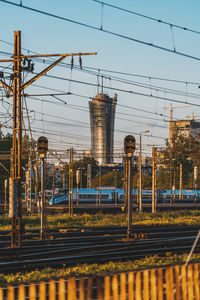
[
  {"x": 185, "y": 128},
  {"x": 102, "y": 119}
]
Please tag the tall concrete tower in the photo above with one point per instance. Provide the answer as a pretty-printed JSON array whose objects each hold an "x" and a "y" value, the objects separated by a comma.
[{"x": 102, "y": 119}]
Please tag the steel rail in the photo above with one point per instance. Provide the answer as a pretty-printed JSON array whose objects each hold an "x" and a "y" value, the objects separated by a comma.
[
  {"x": 103, "y": 248},
  {"x": 87, "y": 233},
  {"x": 100, "y": 257}
]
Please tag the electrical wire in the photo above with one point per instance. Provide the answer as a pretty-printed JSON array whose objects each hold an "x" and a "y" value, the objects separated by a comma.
[
  {"x": 156, "y": 88},
  {"x": 102, "y": 30},
  {"x": 118, "y": 90},
  {"x": 97, "y": 70},
  {"x": 88, "y": 97},
  {"x": 148, "y": 17}
]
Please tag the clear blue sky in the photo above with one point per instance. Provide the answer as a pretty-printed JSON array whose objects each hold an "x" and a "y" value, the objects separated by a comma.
[{"x": 45, "y": 34}]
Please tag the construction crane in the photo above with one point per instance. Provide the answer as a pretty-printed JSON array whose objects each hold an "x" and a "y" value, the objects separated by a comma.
[
  {"x": 193, "y": 116},
  {"x": 171, "y": 108}
]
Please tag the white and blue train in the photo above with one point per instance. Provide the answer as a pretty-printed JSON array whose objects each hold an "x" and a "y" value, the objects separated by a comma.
[
  {"x": 111, "y": 196},
  {"x": 89, "y": 196}
]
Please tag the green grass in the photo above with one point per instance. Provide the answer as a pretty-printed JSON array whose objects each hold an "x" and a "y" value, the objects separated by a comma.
[
  {"x": 171, "y": 217},
  {"x": 96, "y": 269},
  {"x": 63, "y": 220}
]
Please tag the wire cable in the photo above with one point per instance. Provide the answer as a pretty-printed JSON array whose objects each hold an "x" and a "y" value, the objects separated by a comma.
[
  {"x": 147, "y": 17},
  {"x": 103, "y": 30}
]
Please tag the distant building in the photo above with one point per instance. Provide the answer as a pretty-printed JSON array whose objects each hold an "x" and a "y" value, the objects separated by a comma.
[
  {"x": 102, "y": 119},
  {"x": 87, "y": 153},
  {"x": 185, "y": 128}
]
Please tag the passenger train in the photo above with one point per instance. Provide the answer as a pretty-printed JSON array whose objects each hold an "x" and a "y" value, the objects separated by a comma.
[{"x": 113, "y": 196}]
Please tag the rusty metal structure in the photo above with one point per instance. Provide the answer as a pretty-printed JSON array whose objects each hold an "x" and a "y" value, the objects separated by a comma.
[
  {"x": 15, "y": 89},
  {"x": 102, "y": 118}
]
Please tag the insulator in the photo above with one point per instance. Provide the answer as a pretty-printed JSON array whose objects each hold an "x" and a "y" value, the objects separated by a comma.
[
  {"x": 32, "y": 67},
  {"x": 24, "y": 61},
  {"x": 1, "y": 75},
  {"x": 72, "y": 62},
  {"x": 29, "y": 64},
  {"x": 80, "y": 62}
]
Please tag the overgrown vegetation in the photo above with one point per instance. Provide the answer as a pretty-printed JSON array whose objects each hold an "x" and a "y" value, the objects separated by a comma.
[
  {"x": 181, "y": 217},
  {"x": 184, "y": 151},
  {"x": 96, "y": 269}
]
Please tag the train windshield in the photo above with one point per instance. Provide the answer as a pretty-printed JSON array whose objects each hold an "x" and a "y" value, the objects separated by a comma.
[{"x": 61, "y": 193}]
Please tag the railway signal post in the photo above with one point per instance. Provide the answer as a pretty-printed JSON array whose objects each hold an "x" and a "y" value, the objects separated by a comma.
[
  {"x": 42, "y": 148},
  {"x": 125, "y": 184},
  {"x": 129, "y": 149}
]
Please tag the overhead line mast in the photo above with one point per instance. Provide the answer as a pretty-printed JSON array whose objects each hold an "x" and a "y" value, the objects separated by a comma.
[{"x": 16, "y": 89}]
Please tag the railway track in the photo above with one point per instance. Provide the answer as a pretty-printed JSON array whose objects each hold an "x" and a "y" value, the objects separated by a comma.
[
  {"x": 97, "y": 245},
  {"x": 139, "y": 231}
]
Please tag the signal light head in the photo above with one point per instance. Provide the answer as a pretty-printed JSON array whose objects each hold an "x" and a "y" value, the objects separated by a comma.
[
  {"x": 129, "y": 145},
  {"x": 42, "y": 145}
]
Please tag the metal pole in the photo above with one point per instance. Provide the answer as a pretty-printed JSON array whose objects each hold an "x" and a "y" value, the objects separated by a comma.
[
  {"x": 125, "y": 184},
  {"x": 171, "y": 126},
  {"x": 81, "y": 178},
  {"x": 129, "y": 196},
  {"x": 5, "y": 197},
  {"x": 77, "y": 185},
  {"x": 63, "y": 179},
  {"x": 154, "y": 194},
  {"x": 100, "y": 183},
  {"x": 195, "y": 183},
  {"x": 153, "y": 179},
  {"x": 30, "y": 186},
  {"x": 42, "y": 232},
  {"x": 174, "y": 186},
  {"x": 16, "y": 89},
  {"x": 36, "y": 185},
  {"x": 19, "y": 153},
  {"x": 16, "y": 169},
  {"x": 115, "y": 187},
  {"x": 181, "y": 182},
  {"x": 195, "y": 199},
  {"x": 77, "y": 196},
  {"x": 170, "y": 180},
  {"x": 129, "y": 149},
  {"x": 71, "y": 183},
  {"x": 13, "y": 162},
  {"x": 89, "y": 175},
  {"x": 140, "y": 175},
  {"x": 53, "y": 171}
]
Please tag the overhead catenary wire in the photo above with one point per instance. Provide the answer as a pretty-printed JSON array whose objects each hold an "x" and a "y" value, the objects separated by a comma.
[
  {"x": 102, "y": 30},
  {"x": 117, "y": 130},
  {"x": 97, "y": 70},
  {"x": 143, "y": 85},
  {"x": 88, "y": 97},
  {"x": 54, "y": 95},
  {"x": 118, "y": 90},
  {"x": 153, "y": 96},
  {"x": 147, "y": 17},
  {"x": 94, "y": 85}
]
